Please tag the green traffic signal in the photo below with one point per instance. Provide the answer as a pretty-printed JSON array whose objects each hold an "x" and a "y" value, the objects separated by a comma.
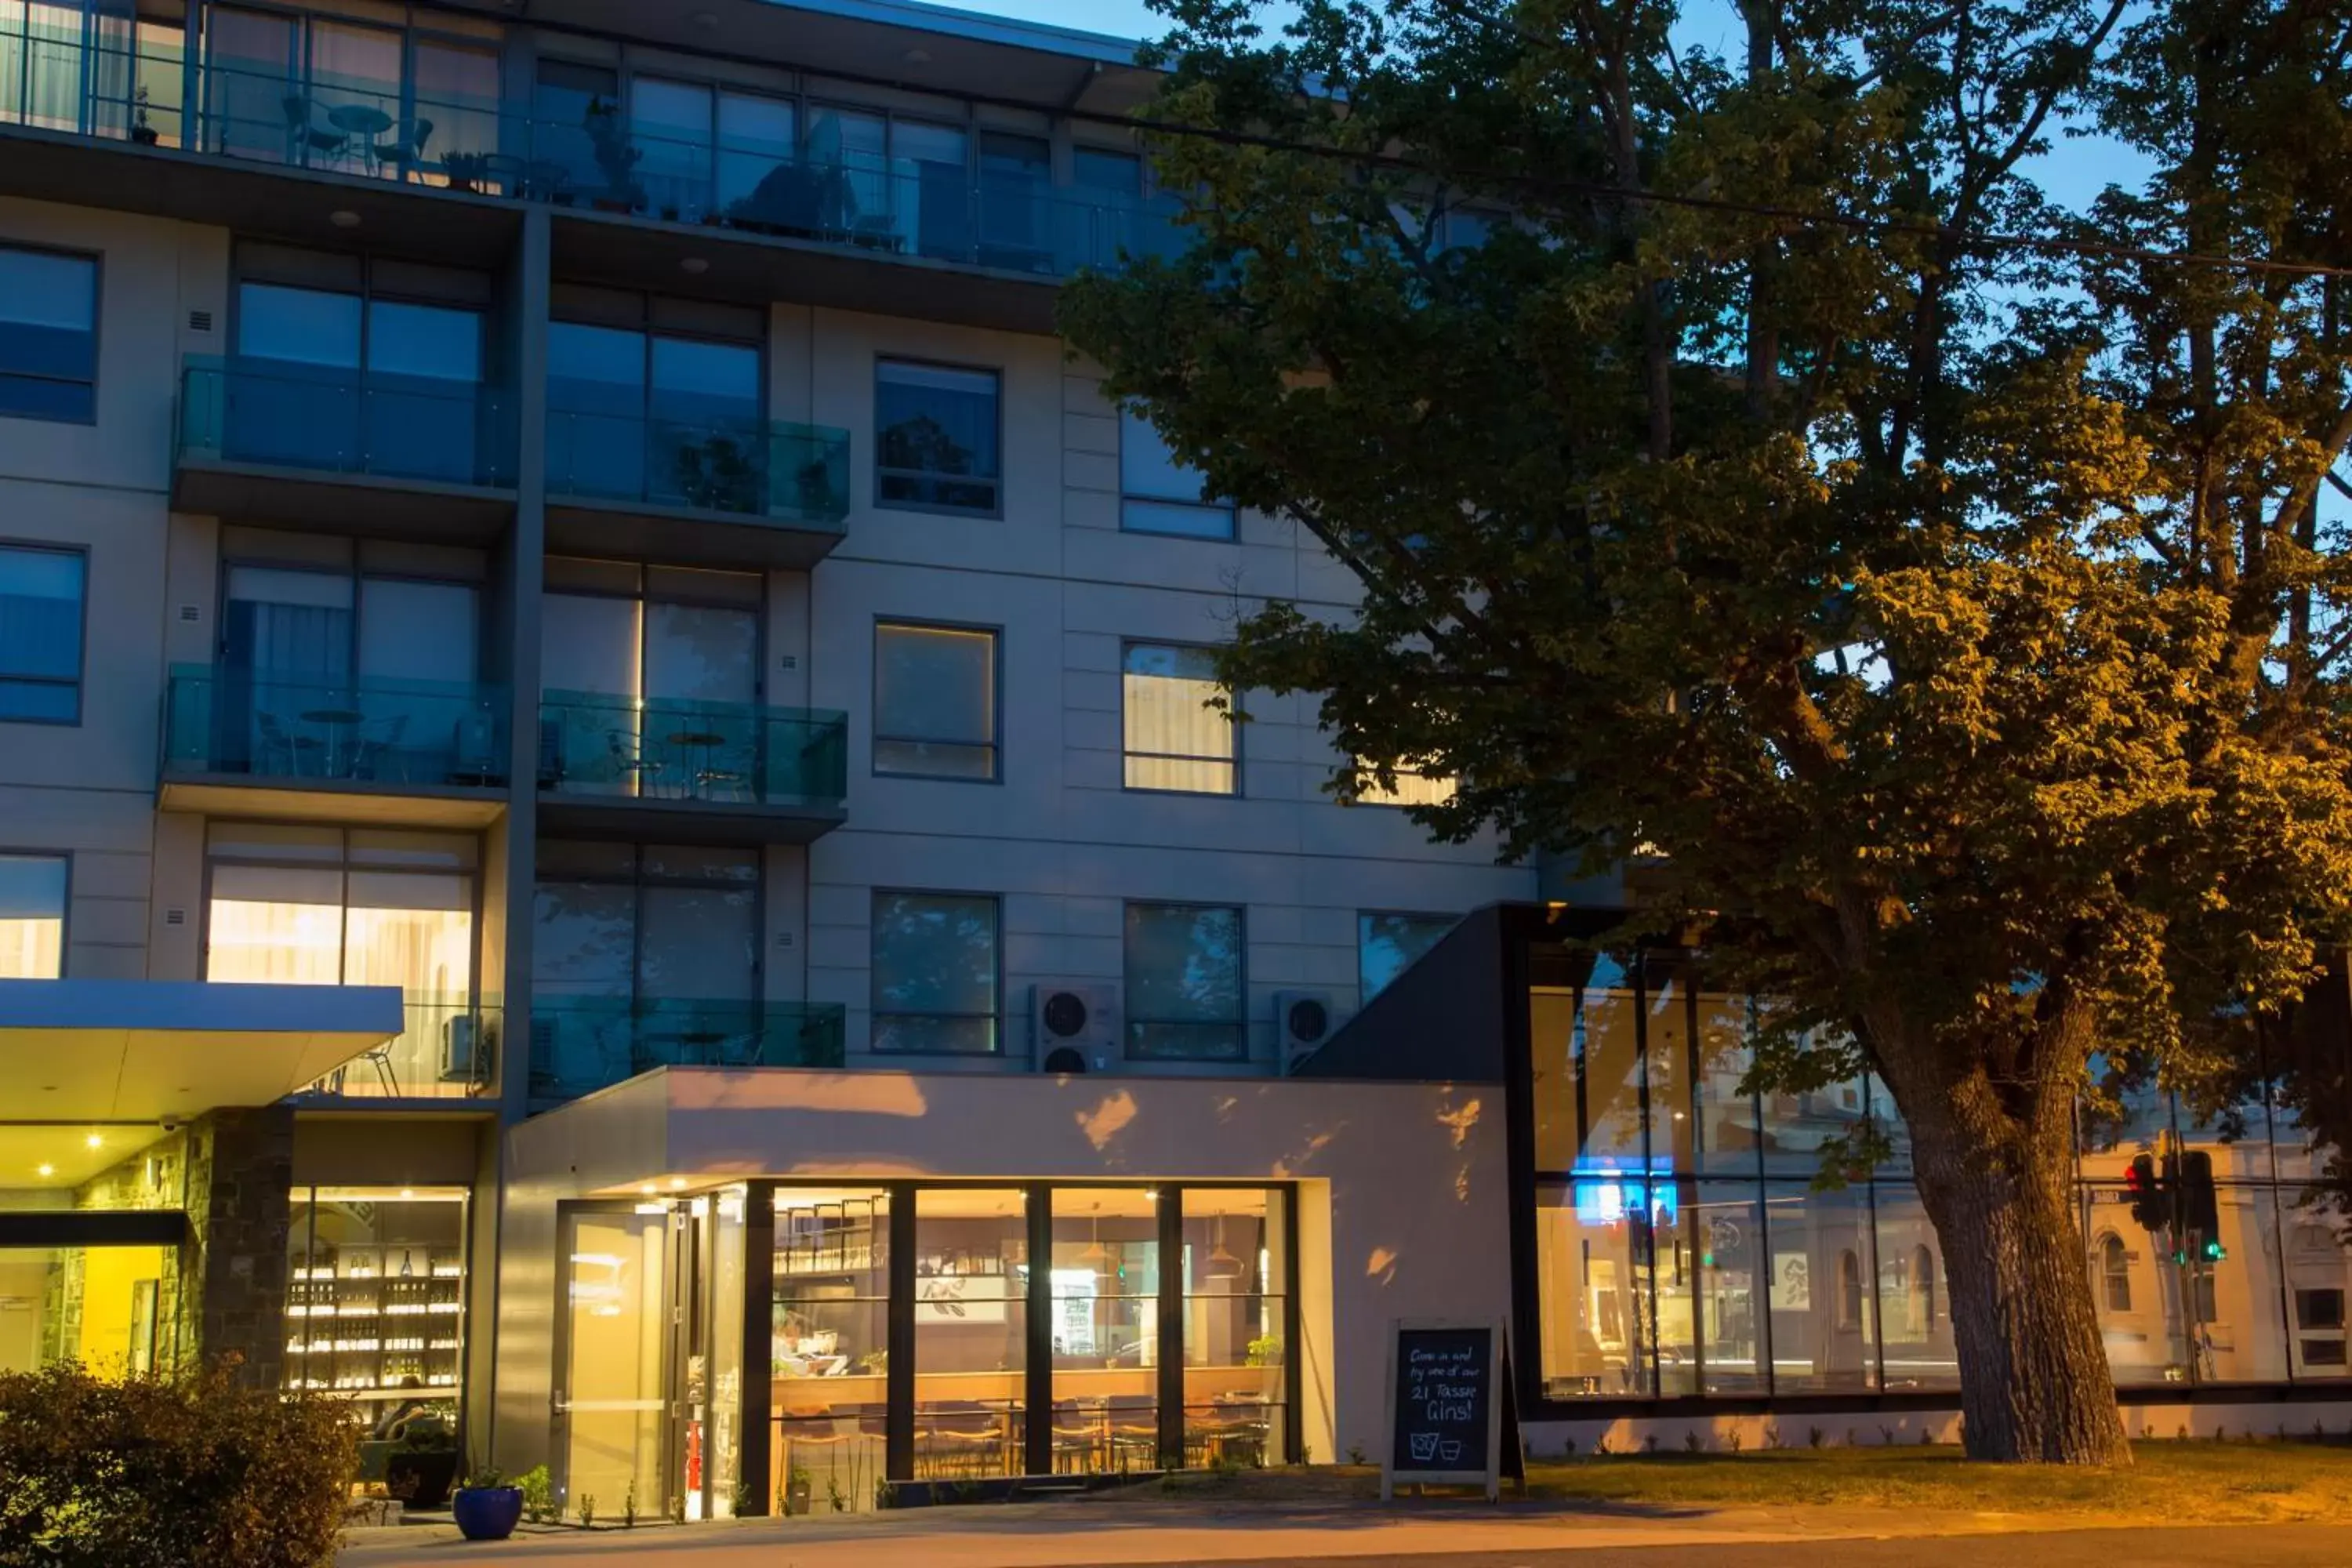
[{"x": 2215, "y": 1252}]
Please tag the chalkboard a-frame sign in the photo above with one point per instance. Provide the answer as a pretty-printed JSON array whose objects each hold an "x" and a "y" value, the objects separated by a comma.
[{"x": 1452, "y": 1416}]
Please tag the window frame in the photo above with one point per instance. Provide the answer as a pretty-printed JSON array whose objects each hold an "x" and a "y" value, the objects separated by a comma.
[
  {"x": 995, "y": 512},
  {"x": 65, "y": 908},
  {"x": 1126, "y": 751},
  {"x": 2115, "y": 1269},
  {"x": 875, "y": 737},
  {"x": 97, "y": 260},
  {"x": 1128, "y": 1020},
  {"x": 874, "y": 1010},
  {"x": 1128, "y": 500},
  {"x": 84, "y": 555},
  {"x": 474, "y": 876}
]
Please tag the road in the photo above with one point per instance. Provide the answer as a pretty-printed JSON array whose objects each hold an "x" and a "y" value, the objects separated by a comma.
[{"x": 1074, "y": 1537}]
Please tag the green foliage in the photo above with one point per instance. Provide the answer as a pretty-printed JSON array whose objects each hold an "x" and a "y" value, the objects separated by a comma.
[
  {"x": 585, "y": 1510},
  {"x": 538, "y": 1494},
  {"x": 1957, "y": 635},
  {"x": 154, "y": 1472},
  {"x": 486, "y": 1477}
]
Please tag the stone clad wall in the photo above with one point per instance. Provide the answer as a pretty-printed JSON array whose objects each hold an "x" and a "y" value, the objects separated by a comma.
[{"x": 240, "y": 1167}]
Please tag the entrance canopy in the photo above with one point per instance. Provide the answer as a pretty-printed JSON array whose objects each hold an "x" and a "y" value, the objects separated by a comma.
[{"x": 139, "y": 1050}]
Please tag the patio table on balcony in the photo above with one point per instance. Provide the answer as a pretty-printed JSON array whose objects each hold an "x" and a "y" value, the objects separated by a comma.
[
  {"x": 338, "y": 725},
  {"x": 700, "y": 747}
]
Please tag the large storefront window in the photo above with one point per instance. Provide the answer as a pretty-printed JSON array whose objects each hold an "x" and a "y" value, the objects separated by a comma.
[
  {"x": 1236, "y": 1326},
  {"x": 327, "y": 906},
  {"x": 971, "y": 1295},
  {"x": 1682, "y": 1249},
  {"x": 830, "y": 1342},
  {"x": 105, "y": 1307},
  {"x": 376, "y": 1307},
  {"x": 1106, "y": 1329}
]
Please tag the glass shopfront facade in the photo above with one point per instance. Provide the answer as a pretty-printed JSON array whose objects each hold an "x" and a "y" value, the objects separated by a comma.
[
  {"x": 1681, "y": 1249},
  {"x": 913, "y": 1338}
]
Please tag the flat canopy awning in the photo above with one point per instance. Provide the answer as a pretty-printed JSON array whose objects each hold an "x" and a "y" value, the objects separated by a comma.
[{"x": 133, "y": 1050}]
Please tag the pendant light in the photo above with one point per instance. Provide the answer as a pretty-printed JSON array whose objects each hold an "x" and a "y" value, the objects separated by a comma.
[
  {"x": 1222, "y": 1265},
  {"x": 1096, "y": 1254}
]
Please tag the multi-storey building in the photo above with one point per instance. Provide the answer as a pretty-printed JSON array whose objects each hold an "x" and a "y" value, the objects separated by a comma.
[{"x": 611, "y": 824}]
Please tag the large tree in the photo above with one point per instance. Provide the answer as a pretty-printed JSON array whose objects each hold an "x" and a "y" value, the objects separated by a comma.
[{"x": 1940, "y": 578}]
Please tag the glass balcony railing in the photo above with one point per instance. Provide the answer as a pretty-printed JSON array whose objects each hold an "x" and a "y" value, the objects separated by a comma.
[
  {"x": 345, "y": 422},
  {"x": 672, "y": 749},
  {"x": 785, "y": 473},
  {"x": 449, "y": 1050},
  {"x": 265, "y": 724},
  {"x": 581, "y": 1044},
  {"x": 95, "y": 82}
]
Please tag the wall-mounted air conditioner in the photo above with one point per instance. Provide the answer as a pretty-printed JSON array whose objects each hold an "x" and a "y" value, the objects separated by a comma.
[{"x": 1074, "y": 1026}]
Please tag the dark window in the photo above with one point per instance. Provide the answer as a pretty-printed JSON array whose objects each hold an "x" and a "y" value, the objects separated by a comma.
[
  {"x": 935, "y": 969},
  {"x": 41, "y": 594},
  {"x": 936, "y": 443},
  {"x": 48, "y": 336},
  {"x": 934, "y": 702},
  {"x": 1159, "y": 495},
  {"x": 1184, "y": 992},
  {"x": 1387, "y": 946}
]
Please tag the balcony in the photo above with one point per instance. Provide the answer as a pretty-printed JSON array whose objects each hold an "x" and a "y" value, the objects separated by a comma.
[
  {"x": 100, "y": 121},
  {"x": 448, "y": 1051},
  {"x": 344, "y": 450},
  {"x": 689, "y": 772},
  {"x": 582, "y": 1044},
  {"x": 695, "y": 494},
  {"x": 303, "y": 749}
]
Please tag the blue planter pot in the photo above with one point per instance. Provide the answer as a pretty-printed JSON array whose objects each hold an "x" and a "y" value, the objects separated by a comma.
[{"x": 487, "y": 1513}]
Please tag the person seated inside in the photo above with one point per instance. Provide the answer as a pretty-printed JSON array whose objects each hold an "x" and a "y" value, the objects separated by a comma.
[{"x": 393, "y": 1425}]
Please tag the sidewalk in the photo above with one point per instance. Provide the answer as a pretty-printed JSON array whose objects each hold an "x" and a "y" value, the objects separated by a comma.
[{"x": 1133, "y": 1531}]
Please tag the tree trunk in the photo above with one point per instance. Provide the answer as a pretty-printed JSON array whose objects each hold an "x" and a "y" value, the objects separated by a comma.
[{"x": 2035, "y": 1383}]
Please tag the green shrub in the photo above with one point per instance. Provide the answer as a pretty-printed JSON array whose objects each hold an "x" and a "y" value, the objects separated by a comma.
[{"x": 161, "y": 1472}]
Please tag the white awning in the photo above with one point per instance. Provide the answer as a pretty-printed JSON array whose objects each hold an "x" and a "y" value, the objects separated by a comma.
[{"x": 134, "y": 1050}]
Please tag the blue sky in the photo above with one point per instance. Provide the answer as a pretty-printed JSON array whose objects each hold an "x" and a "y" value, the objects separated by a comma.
[{"x": 2073, "y": 172}]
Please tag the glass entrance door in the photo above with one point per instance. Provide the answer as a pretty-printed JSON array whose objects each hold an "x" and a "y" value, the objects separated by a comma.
[{"x": 614, "y": 1430}]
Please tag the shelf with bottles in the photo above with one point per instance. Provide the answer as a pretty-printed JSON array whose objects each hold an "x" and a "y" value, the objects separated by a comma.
[{"x": 838, "y": 1237}]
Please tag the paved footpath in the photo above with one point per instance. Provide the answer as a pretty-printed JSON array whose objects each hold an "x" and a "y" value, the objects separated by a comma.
[{"x": 1195, "y": 1535}]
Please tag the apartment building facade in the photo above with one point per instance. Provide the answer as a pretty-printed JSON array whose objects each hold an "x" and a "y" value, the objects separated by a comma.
[
  {"x": 609, "y": 802},
  {"x": 587, "y": 522}
]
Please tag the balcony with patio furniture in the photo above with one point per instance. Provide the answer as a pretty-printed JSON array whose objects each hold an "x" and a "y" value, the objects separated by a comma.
[
  {"x": 750, "y": 493},
  {"x": 685, "y": 771},
  {"x": 582, "y": 1044},
  {"x": 372, "y": 749}
]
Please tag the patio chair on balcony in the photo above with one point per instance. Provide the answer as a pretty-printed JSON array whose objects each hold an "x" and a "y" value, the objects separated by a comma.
[
  {"x": 405, "y": 155},
  {"x": 307, "y": 136},
  {"x": 374, "y": 751},
  {"x": 281, "y": 751}
]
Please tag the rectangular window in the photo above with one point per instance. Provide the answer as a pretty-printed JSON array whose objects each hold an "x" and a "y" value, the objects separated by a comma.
[
  {"x": 936, "y": 443},
  {"x": 1412, "y": 789},
  {"x": 1174, "y": 739},
  {"x": 1388, "y": 945},
  {"x": 1159, "y": 495},
  {"x": 935, "y": 974},
  {"x": 41, "y": 593},
  {"x": 934, "y": 702},
  {"x": 32, "y": 916},
  {"x": 1184, "y": 990},
  {"x": 48, "y": 336}
]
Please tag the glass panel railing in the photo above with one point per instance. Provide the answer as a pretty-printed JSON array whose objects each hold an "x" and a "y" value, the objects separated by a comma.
[
  {"x": 67, "y": 77},
  {"x": 449, "y": 1050},
  {"x": 793, "y": 473},
  {"x": 674, "y": 749},
  {"x": 345, "y": 421},
  {"x": 222, "y": 719},
  {"x": 581, "y": 1044}
]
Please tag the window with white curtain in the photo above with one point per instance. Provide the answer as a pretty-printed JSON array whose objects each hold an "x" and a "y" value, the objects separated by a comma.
[
  {"x": 935, "y": 972},
  {"x": 32, "y": 916},
  {"x": 1411, "y": 788},
  {"x": 934, "y": 702},
  {"x": 41, "y": 594},
  {"x": 1185, "y": 995},
  {"x": 293, "y": 905},
  {"x": 1174, "y": 740}
]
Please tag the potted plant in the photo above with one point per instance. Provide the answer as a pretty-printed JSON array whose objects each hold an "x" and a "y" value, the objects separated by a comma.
[
  {"x": 486, "y": 1507},
  {"x": 797, "y": 1492},
  {"x": 420, "y": 1470},
  {"x": 142, "y": 132},
  {"x": 465, "y": 169}
]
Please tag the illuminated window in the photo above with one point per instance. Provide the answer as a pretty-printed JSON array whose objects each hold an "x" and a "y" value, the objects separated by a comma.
[
  {"x": 32, "y": 916},
  {"x": 1174, "y": 741},
  {"x": 1412, "y": 789}
]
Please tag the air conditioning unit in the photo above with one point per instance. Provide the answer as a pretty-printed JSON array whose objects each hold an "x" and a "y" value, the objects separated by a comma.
[
  {"x": 466, "y": 1049},
  {"x": 1303, "y": 1020},
  {"x": 1075, "y": 1025}
]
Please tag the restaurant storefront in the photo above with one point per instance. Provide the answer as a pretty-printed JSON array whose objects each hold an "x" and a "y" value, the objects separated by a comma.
[{"x": 965, "y": 1280}]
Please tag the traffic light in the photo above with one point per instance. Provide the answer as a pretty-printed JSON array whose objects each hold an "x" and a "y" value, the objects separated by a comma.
[
  {"x": 2200, "y": 1213},
  {"x": 2150, "y": 1205}
]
